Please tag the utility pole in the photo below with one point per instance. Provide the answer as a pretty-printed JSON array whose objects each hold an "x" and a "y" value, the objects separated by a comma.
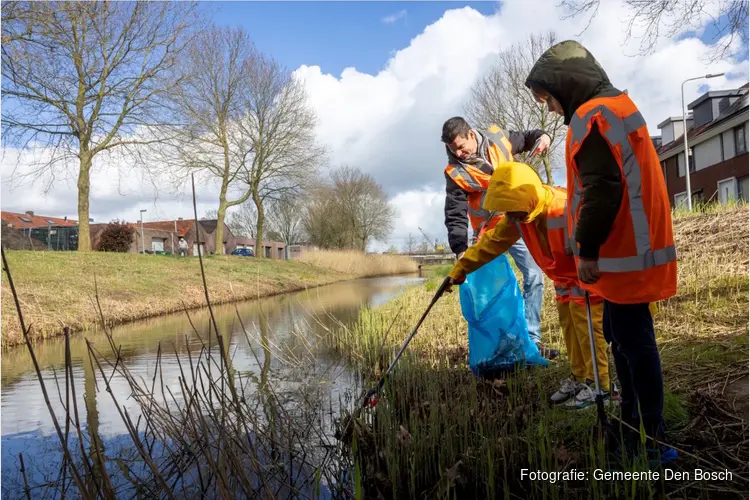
[
  {"x": 685, "y": 139},
  {"x": 143, "y": 242}
]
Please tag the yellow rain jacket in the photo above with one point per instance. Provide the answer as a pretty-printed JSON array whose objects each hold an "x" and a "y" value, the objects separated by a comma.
[{"x": 515, "y": 187}]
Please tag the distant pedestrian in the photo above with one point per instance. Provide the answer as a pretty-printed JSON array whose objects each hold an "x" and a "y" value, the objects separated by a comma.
[{"x": 182, "y": 247}]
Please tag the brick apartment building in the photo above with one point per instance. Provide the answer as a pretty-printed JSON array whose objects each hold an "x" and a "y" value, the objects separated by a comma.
[{"x": 717, "y": 149}]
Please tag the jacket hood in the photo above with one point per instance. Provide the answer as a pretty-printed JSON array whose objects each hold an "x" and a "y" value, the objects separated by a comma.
[
  {"x": 516, "y": 187},
  {"x": 572, "y": 75}
]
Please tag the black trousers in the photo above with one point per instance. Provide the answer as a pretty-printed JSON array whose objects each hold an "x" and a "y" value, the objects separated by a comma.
[{"x": 630, "y": 330}]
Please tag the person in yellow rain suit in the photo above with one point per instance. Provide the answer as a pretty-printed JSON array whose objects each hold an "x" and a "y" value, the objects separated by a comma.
[{"x": 536, "y": 213}]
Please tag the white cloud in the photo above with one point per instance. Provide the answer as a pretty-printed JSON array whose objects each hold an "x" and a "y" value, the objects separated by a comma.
[
  {"x": 394, "y": 17},
  {"x": 389, "y": 123}
]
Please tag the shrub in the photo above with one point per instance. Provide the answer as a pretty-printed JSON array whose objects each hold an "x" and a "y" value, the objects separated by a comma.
[{"x": 116, "y": 237}]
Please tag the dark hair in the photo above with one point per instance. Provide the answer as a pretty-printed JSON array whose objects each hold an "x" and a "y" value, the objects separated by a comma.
[{"x": 453, "y": 127}]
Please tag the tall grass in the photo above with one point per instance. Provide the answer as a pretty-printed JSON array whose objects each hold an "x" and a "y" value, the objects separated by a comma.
[
  {"x": 57, "y": 286},
  {"x": 438, "y": 432},
  {"x": 358, "y": 263},
  {"x": 221, "y": 433}
]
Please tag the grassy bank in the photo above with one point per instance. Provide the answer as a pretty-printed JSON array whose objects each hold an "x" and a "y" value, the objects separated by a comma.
[
  {"x": 438, "y": 432},
  {"x": 57, "y": 288}
]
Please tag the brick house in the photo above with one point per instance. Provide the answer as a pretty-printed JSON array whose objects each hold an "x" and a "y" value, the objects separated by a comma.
[
  {"x": 271, "y": 249},
  {"x": 717, "y": 149},
  {"x": 55, "y": 233},
  {"x": 163, "y": 236}
]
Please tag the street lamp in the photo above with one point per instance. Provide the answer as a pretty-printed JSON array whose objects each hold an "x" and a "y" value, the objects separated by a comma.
[
  {"x": 684, "y": 135},
  {"x": 143, "y": 243}
]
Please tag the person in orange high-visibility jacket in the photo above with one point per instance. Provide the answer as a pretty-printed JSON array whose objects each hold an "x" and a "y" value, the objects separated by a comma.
[
  {"x": 619, "y": 217},
  {"x": 536, "y": 213},
  {"x": 472, "y": 156}
]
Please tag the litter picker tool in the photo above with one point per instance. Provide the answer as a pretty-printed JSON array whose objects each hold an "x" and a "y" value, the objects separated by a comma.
[
  {"x": 371, "y": 397},
  {"x": 536, "y": 145},
  {"x": 602, "y": 425}
]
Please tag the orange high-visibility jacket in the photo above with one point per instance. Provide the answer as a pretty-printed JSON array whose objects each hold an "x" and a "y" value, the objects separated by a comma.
[
  {"x": 475, "y": 182},
  {"x": 559, "y": 264},
  {"x": 638, "y": 261}
]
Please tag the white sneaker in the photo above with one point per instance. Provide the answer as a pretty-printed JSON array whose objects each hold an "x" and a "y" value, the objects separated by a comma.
[
  {"x": 568, "y": 389},
  {"x": 585, "y": 398}
]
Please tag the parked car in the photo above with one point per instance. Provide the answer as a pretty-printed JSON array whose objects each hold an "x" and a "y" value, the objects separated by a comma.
[{"x": 243, "y": 252}]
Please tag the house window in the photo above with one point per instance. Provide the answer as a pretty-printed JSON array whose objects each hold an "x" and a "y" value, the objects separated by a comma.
[
  {"x": 157, "y": 244},
  {"x": 25, "y": 219},
  {"x": 267, "y": 252},
  {"x": 680, "y": 200},
  {"x": 49, "y": 221},
  {"x": 743, "y": 189},
  {"x": 740, "y": 139},
  {"x": 681, "y": 163},
  {"x": 727, "y": 190}
]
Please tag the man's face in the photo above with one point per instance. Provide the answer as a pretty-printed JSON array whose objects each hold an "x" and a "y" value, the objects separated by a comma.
[
  {"x": 543, "y": 97},
  {"x": 464, "y": 147}
]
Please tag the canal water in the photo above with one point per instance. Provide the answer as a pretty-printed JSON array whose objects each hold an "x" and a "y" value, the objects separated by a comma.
[{"x": 280, "y": 343}]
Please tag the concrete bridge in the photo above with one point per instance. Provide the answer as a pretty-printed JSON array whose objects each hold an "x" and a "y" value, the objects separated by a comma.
[{"x": 431, "y": 259}]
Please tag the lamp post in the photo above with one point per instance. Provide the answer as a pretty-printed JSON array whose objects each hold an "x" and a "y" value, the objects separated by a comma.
[
  {"x": 143, "y": 243},
  {"x": 684, "y": 135}
]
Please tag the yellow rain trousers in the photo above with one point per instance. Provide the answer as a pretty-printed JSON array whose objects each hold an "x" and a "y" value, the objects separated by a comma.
[{"x": 576, "y": 333}]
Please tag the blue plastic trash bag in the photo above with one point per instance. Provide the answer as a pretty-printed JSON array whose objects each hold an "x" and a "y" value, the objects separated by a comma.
[{"x": 493, "y": 306}]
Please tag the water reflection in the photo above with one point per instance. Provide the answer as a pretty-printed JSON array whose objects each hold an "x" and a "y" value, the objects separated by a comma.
[{"x": 279, "y": 343}]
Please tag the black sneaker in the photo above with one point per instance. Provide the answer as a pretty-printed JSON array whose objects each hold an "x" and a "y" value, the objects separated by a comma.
[{"x": 547, "y": 352}]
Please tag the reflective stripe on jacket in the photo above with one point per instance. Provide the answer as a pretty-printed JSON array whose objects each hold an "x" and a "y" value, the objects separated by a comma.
[
  {"x": 557, "y": 263},
  {"x": 638, "y": 261}
]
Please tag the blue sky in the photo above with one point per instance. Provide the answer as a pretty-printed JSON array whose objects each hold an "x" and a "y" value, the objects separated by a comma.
[
  {"x": 404, "y": 106},
  {"x": 335, "y": 35}
]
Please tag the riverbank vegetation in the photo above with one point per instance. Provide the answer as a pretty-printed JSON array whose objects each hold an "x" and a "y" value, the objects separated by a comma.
[
  {"x": 57, "y": 288},
  {"x": 438, "y": 432}
]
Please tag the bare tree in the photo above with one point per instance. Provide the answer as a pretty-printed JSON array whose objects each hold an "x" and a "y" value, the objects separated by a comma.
[
  {"x": 501, "y": 98},
  {"x": 410, "y": 244},
  {"x": 364, "y": 204},
  {"x": 243, "y": 221},
  {"x": 324, "y": 225},
  {"x": 279, "y": 129},
  {"x": 84, "y": 78},
  {"x": 211, "y": 104},
  {"x": 348, "y": 212},
  {"x": 668, "y": 18},
  {"x": 285, "y": 218}
]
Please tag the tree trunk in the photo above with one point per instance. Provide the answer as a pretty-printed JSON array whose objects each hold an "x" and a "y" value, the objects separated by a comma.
[
  {"x": 548, "y": 170},
  {"x": 84, "y": 189},
  {"x": 220, "y": 215},
  {"x": 259, "y": 225}
]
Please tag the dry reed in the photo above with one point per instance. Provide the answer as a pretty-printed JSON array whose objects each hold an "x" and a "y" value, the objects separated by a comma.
[
  {"x": 358, "y": 263},
  {"x": 438, "y": 432}
]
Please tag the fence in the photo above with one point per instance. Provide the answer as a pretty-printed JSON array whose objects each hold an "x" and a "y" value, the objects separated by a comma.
[{"x": 54, "y": 238}]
